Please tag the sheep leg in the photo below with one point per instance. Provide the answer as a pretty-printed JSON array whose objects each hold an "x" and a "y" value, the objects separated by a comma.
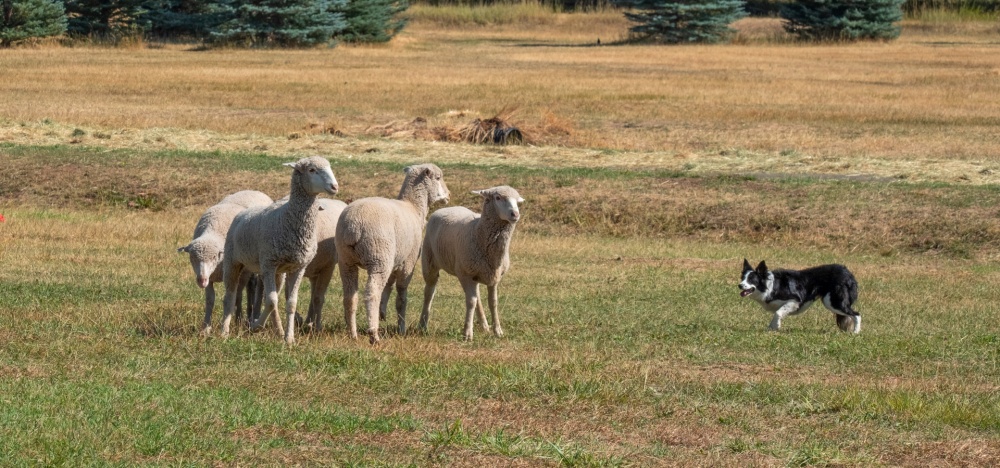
[
  {"x": 253, "y": 291},
  {"x": 376, "y": 282},
  {"x": 349, "y": 281},
  {"x": 291, "y": 301},
  {"x": 402, "y": 286},
  {"x": 482, "y": 313},
  {"x": 493, "y": 296},
  {"x": 270, "y": 303},
  {"x": 244, "y": 287},
  {"x": 238, "y": 314},
  {"x": 386, "y": 291},
  {"x": 471, "y": 298},
  {"x": 209, "y": 305},
  {"x": 314, "y": 320},
  {"x": 230, "y": 278},
  {"x": 431, "y": 276},
  {"x": 279, "y": 280},
  {"x": 258, "y": 301}
]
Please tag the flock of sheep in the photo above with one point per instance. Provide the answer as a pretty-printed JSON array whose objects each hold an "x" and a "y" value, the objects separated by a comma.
[{"x": 253, "y": 245}]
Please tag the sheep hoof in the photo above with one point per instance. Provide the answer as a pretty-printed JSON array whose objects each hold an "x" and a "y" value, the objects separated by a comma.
[
  {"x": 498, "y": 332},
  {"x": 373, "y": 337},
  {"x": 468, "y": 337},
  {"x": 206, "y": 331}
]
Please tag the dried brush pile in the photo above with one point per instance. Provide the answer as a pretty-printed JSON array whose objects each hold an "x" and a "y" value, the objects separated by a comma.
[{"x": 495, "y": 130}]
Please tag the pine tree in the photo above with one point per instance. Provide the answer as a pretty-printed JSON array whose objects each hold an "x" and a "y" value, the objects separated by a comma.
[
  {"x": 683, "y": 21},
  {"x": 282, "y": 23},
  {"x": 106, "y": 17},
  {"x": 824, "y": 20},
  {"x": 373, "y": 20},
  {"x": 185, "y": 18},
  {"x": 28, "y": 19}
]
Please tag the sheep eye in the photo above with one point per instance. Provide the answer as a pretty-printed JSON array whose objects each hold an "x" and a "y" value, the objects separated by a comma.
[{"x": 312, "y": 170}]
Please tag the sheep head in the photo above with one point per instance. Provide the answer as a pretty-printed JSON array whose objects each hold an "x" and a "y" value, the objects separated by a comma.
[
  {"x": 503, "y": 200},
  {"x": 314, "y": 175},
  {"x": 431, "y": 179},
  {"x": 205, "y": 256}
]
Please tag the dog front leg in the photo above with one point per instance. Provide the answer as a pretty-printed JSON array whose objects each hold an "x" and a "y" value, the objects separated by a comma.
[{"x": 784, "y": 311}]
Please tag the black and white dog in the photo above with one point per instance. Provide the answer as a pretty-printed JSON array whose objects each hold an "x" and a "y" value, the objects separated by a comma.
[{"x": 791, "y": 292}]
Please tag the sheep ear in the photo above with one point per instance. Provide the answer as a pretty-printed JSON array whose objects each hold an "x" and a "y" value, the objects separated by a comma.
[
  {"x": 427, "y": 171},
  {"x": 407, "y": 170},
  {"x": 186, "y": 248},
  {"x": 292, "y": 165},
  {"x": 520, "y": 200},
  {"x": 480, "y": 192}
]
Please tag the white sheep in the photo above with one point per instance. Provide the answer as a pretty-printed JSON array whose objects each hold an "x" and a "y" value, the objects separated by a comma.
[
  {"x": 321, "y": 268},
  {"x": 277, "y": 240},
  {"x": 475, "y": 248},
  {"x": 209, "y": 240},
  {"x": 383, "y": 236}
]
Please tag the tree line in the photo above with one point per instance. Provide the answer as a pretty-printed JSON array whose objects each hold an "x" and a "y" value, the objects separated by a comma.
[
  {"x": 304, "y": 23},
  {"x": 253, "y": 23}
]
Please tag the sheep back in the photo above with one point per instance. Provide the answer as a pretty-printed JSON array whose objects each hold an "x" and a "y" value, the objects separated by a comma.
[
  {"x": 248, "y": 198},
  {"x": 375, "y": 231},
  {"x": 449, "y": 243},
  {"x": 257, "y": 236}
]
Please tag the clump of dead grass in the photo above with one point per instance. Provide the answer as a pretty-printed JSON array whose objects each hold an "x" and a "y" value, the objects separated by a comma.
[
  {"x": 496, "y": 129},
  {"x": 493, "y": 130}
]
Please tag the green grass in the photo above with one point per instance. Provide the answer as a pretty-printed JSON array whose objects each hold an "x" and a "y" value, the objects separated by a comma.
[{"x": 621, "y": 350}]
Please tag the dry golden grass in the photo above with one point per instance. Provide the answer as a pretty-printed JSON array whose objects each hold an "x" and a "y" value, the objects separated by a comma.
[{"x": 927, "y": 97}]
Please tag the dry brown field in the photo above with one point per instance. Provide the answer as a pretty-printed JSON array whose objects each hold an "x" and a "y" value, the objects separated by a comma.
[{"x": 922, "y": 107}]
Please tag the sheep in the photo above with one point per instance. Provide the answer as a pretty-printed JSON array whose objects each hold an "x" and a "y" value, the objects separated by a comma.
[
  {"x": 206, "y": 247},
  {"x": 320, "y": 269},
  {"x": 475, "y": 248},
  {"x": 383, "y": 237},
  {"x": 276, "y": 240}
]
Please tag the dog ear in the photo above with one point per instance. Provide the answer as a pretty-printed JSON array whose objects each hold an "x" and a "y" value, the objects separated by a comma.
[
  {"x": 746, "y": 265},
  {"x": 761, "y": 268}
]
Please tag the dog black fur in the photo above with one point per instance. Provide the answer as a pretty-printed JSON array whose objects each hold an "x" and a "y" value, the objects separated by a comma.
[{"x": 791, "y": 292}]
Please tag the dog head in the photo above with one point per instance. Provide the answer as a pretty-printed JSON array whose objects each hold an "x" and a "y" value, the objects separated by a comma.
[{"x": 753, "y": 280}]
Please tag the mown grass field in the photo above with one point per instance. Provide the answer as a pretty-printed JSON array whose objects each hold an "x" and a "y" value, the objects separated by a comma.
[{"x": 626, "y": 343}]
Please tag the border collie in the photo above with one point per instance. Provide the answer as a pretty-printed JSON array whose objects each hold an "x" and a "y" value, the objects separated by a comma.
[{"x": 791, "y": 292}]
